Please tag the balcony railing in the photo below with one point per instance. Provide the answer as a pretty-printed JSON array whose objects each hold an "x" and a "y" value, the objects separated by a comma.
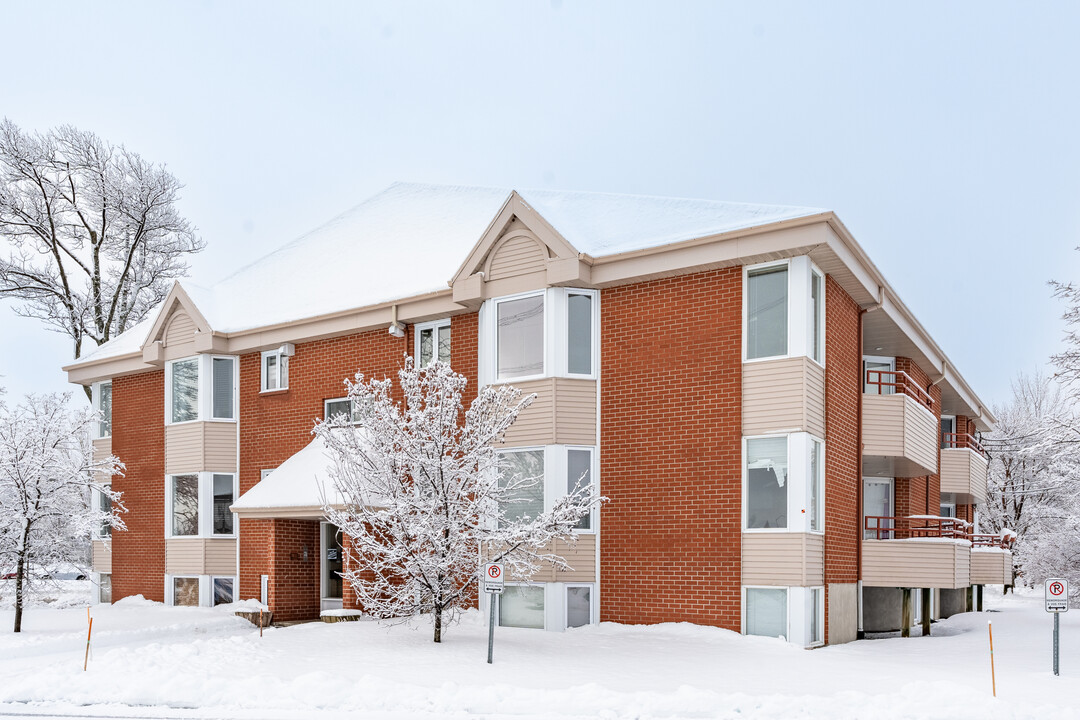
[
  {"x": 899, "y": 382},
  {"x": 962, "y": 440},
  {"x": 884, "y": 527}
]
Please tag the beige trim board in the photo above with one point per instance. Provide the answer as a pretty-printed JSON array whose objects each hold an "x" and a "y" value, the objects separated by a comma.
[
  {"x": 916, "y": 563},
  {"x": 785, "y": 559},
  {"x": 306, "y": 512}
]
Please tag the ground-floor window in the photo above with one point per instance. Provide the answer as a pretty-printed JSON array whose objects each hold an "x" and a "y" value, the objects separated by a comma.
[
  {"x": 522, "y": 606},
  {"x": 578, "y": 605},
  {"x": 766, "y": 612},
  {"x": 185, "y": 591},
  {"x": 817, "y": 616},
  {"x": 223, "y": 590},
  {"x": 105, "y": 588}
]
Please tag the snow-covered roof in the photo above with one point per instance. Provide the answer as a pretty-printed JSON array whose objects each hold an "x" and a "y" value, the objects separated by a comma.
[
  {"x": 302, "y": 481},
  {"x": 127, "y": 342},
  {"x": 410, "y": 239}
]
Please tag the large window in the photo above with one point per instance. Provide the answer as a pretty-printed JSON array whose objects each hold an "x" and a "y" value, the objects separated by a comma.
[
  {"x": 522, "y": 606},
  {"x": 523, "y": 472},
  {"x": 767, "y": 483},
  {"x": 200, "y": 388},
  {"x": 767, "y": 312},
  {"x": 520, "y": 337},
  {"x": 197, "y": 505},
  {"x": 184, "y": 384},
  {"x": 275, "y": 370},
  {"x": 186, "y": 591},
  {"x": 433, "y": 342},
  {"x": 766, "y": 612},
  {"x": 102, "y": 396}
]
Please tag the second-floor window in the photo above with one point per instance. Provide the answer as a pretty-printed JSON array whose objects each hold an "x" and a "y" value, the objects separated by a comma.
[
  {"x": 767, "y": 312},
  {"x": 784, "y": 310},
  {"x": 558, "y": 471},
  {"x": 102, "y": 396},
  {"x": 433, "y": 342},
  {"x": 275, "y": 370},
  {"x": 200, "y": 388}
]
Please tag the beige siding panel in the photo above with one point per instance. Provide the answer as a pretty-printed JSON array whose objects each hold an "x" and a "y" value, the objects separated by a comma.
[
  {"x": 580, "y": 555},
  {"x": 963, "y": 471},
  {"x": 897, "y": 426},
  {"x": 178, "y": 339},
  {"x": 922, "y": 432},
  {"x": 219, "y": 448},
  {"x": 564, "y": 412},
  {"x": 102, "y": 448},
  {"x": 815, "y": 398},
  {"x": 773, "y": 394},
  {"x": 220, "y": 556},
  {"x": 101, "y": 556},
  {"x": 575, "y": 411},
  {"x": 786, "y": 559},
  {"x": 991, "y": 567},
  {"x": 980, "y": 467},
  {"x": 517, "y": 255},
  {"x": 185, "y": 556},
  {"x": 184, "y": 448},
  {"x": 915, "y": 563}
]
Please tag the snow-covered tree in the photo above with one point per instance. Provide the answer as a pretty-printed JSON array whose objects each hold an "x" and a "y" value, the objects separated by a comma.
[
  {"x": 47, "y": 479},
  {"x": 427, "y": 496},
  {"x": 94, "y": 233},
  {"x": 1034, "y": 478}
]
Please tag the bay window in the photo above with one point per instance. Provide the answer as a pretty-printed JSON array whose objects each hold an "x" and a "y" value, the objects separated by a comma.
[
  {"x": 548, "y": 333},
  {"x": 784, "y": 483},
  {"x": 767, "y": 312},
  {"x": 200, "y": 388},
  {"x": 767, "y": 483},
  {"x": 522, "y": 473},
  {"x": 197, "y": 505},
  {"x": 766, "y": 611},
  {"x": 559, "y": 470},
  {"x": 784, "y": 310}
]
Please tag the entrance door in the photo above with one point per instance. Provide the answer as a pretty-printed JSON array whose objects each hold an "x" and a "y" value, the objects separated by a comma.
[
  {"x": 330, "y": 566},
  {"x": 877, "y": 502}
]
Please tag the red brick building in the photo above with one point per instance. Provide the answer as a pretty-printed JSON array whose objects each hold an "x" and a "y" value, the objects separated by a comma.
[{"x": 779, "y": 438}]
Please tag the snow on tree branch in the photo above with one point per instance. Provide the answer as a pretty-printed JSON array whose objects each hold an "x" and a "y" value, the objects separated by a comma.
[{"x": 427, "y": 491}]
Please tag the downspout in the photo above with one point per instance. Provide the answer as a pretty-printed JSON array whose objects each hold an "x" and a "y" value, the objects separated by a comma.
[{"x": 859, "y": 461}]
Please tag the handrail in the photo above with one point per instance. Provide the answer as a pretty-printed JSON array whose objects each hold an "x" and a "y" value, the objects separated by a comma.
[
  {"x": 902, "y": 383},
  {"x": 888, "y": 527},
  {"x": 962, "y": 440}
]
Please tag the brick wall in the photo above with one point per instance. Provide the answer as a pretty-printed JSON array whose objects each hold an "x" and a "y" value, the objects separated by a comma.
[
  {"x": 139, "y": 441},
  {"x": 920, "y": 495},
  {"x": 843, "y": 456},
  {"x": 670, "y": 415},
  {"x": 294, "y": 573}
]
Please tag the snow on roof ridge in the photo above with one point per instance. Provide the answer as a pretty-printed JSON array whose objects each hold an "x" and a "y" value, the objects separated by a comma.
[{"x": 640, "y": 196}]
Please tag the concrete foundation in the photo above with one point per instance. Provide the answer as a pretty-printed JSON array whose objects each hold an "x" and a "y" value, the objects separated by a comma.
[
  {"x": 881, "y": 609},
  {"x": 952, "y": 602},
  {"x": 843, "y": 612}
]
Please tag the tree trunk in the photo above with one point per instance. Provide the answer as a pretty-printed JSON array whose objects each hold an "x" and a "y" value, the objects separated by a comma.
[
  {"x": 438, "y": 623},
  {"x": 20, "y": 579}
]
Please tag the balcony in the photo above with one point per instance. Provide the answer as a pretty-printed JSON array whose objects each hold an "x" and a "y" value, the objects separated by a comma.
[
  {"x": 932, "y": 552},
  {"x": 899, "y": 428},
  {"x": 964, "y": 467}
]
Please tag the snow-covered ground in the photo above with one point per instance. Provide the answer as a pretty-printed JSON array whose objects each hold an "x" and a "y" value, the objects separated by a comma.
[{"x": 154, "y": 661}]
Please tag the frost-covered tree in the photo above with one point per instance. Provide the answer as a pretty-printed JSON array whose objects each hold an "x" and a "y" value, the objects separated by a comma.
[
  {"x": 1034, "y": 478},
  {"x": 47, "y": 479},
  {"x": 93, "y": 232},
  {"x": 427, "y": 496}
]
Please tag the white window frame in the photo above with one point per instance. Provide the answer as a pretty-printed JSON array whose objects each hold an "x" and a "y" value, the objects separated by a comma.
[
  {"x": 352, "y": 409},
  {"x": 281, "y": 358},
  {"x": 235, "y": 587},
  {"x": 434, "y": 326},
  {"x": 813, "y": 642},
  {"x": 787, "y": 607},
  {"x": 95, "y": 391},
  {"x": 545, "y": 481},
  {"x": 800, "y": 270},
  {"x": 498, "y": 607},
  {"x": 883, "y": 359},
  {"x": 205, "y": 388},
  {"x": 556, "y": 329},
  {"x": 746, "y": 484},
  {"x": 810, "y": 486},
  {"x": 566, "y": 602},
  {"x": 97, "y": 496},
  {"x": 206, "y": 505},
  {"x": 555, "y": 482},
  {"x": 170, "y": 590}
]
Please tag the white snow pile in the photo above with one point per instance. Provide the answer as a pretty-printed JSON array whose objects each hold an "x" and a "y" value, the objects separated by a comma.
[{"x": 154, "y": 661}]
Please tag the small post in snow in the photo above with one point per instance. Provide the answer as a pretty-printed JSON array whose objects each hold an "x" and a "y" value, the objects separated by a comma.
[
  {"x": 493, "y": 586},
  {"x": 993, "y": 680},
  {"x": 89, "y": 628},
  {"x": 260, "y": 622}
]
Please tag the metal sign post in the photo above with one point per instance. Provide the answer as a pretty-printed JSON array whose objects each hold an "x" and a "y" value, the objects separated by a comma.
[
  {"x": 1056, "y": 595},
  {"x": 493, "y": 585}
]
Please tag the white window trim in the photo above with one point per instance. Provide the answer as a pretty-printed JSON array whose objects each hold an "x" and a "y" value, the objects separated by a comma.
[
  {"x": 235, "y": 587},
  {"x": 262, "y": 371},
  {"x": 205, "y": 389},
  {"x": 747, "y": 269},
  {"x": 95, "y": 392},
  {"x": 809, "y": 487},
  {"x": 326, "y": 409},
  {"x": 787, "y": 607},
  {"x": 206, "y": 505},
  {"x": 820, "y": 615},
  {"x": 556, "y": 317},
  {"x": 815, "y": 270},
  {"x": 498, "y": 607},
  {"x": 434, "y": 326},
  {"x": 746, "y": 484},
  {"x": 96, "y": 496},
  {"x": 556, "y": 481},
  {"x": 170, "y": 590},
  {"x": 566, "y": 603}
]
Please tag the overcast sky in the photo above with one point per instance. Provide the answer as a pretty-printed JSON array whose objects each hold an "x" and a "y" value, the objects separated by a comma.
[{"x": 944, "y": 135}]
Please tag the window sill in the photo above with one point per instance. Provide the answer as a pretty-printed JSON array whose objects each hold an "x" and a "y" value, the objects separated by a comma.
[
  {"x": 277, "y": 391},
  {"x": 182, "y": 422},
  {"x": 200, "y": 537}
]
